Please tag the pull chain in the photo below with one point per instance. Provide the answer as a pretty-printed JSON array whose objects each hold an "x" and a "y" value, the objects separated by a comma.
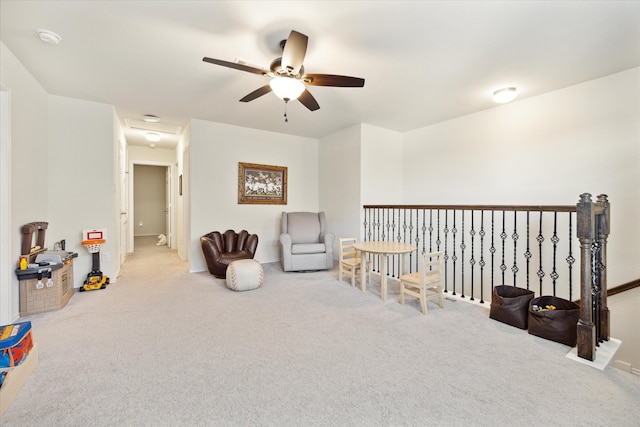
[{"x": 286, "y": 119}]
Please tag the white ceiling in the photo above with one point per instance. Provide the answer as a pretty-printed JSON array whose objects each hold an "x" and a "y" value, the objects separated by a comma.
[{"x": 423, "y": 61}]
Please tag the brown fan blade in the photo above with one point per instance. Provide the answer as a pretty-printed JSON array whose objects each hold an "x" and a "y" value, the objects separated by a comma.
[
  {"x": 235, "y": 65},
  {"x": 308, "y": 101},
  {"x": 257, "y": 93},
  {"x": 294, "y": 51},
  {"x": 332, "y": 80}
]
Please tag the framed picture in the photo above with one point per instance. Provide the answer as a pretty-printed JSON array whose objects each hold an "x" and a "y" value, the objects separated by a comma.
[{"x": 262, "y": 184}]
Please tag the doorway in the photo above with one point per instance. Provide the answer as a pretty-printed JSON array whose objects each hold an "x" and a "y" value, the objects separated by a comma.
[{"x": 151, "y": 202}]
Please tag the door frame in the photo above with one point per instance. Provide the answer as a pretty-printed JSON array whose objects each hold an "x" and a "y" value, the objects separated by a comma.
[{"x": 171, "y": 191}]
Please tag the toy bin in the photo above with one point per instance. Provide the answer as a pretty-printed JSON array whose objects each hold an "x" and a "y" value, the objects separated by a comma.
[
  {"x": 510, "y": 305},
  {"x": 560, "y": 323}
]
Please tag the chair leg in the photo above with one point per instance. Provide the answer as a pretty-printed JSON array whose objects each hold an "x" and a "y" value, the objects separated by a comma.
[
  {"x": 440, "y": 297},
  {"x": 401, "y": 292},
  {"x": 423, "y": 301},
  {"x": 353, "y": 277},
  {"x": 340, "y": 273}
]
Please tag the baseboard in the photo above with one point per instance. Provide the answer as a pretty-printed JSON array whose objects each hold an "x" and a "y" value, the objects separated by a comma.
[
  {"x": 604, "y": 354},
  {"x": 457, "y": 297}
]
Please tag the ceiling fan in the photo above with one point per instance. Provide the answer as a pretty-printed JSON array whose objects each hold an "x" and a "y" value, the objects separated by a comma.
[{"x": 288, "y": 79}]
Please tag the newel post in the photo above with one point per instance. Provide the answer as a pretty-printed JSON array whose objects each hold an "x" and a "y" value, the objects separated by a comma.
[
  {"x": 603, "y": 233},
  {"x": 586, "y": 330}
]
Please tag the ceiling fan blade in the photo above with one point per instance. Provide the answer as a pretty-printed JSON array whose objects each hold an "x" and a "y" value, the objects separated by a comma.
[
  {"x": 332, "y": 80},
  {"x": 235, "y": 65},
  {"x": 294, "y": 51},
  {"x": 308, "y": 101},
  {"x": 257, "y": 93}
]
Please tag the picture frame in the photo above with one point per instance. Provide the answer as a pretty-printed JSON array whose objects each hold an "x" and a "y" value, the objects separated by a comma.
[{"x": 262, "y": 184}]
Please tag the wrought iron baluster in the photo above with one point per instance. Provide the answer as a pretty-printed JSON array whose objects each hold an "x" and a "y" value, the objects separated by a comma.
[
  {"x": 515, "y": 237},
  {"x": 595, "y": 285},
  {"x": 570, "y": 258},
  {"x": 503, "y": 236},
  {"x": 462, "y": 248},
  {"x": 418, "y": 240},
  {"x": 493, "y": 251},
  {"x": 555, "y": 239},
  {"x": 365, "y": 231},
  {"x": 438, "y": 242},
  {"x": 472, "y": 261},
  {"x": 446, "y": 253},
  {"x": 527, "y": 254},
  {"x": 482, "y": 263},
  {"x": 540, "y": 239},
  {"x": 430, "y": 232},
  {"x": 454, "y": 257}
]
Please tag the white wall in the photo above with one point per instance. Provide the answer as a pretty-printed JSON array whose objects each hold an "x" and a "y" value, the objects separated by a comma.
[
  {"x": 340, "y": 181},
  {"x": 382, "y": 165},
  {"x": 7, "y": 264},
  {"x": 120, "y": 195},
  {"x": 80, "y": 181},
  {"x": 182, "y": 206},
  {"x": 543, "y": 150},
  {"x": 214, "y": 153},
  {"x": 358, "y": 165},
  {"x": 148, "y": 156},
  {"x": 29, "y": 165}
]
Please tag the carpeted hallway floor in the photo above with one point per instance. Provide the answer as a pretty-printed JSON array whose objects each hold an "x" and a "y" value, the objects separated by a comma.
[{"x": 165, "y": 347}]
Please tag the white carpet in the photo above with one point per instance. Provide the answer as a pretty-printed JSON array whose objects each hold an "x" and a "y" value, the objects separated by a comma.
[{"x": 166, "y": 347}]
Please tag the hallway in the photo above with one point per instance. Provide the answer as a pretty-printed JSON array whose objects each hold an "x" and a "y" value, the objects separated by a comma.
[{"x": 147, "y": 253}]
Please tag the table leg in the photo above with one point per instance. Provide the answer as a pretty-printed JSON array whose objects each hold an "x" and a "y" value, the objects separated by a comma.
[
  {"x": 403, "y": 266},
  {"x": 363, "y": 271},
  {"x": 383, "y": 276}
]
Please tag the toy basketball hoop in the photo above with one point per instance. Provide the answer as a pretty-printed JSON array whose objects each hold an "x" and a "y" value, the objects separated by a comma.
[
  {"x": 93, "y": 245},
  {"x": 92, "y": 239}
]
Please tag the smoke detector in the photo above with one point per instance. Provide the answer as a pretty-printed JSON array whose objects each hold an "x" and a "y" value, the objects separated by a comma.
[
  {"x": 49, "y": 37},
  {"x": 150, "y": 118}
]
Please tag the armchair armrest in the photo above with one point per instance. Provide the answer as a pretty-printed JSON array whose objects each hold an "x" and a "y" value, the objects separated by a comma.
[
  {"x": 328, "y": 239},
  {"x": 285, "y": 243}
]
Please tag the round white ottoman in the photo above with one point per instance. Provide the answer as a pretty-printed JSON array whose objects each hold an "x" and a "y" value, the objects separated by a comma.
[{"x": 244, "y": 275}]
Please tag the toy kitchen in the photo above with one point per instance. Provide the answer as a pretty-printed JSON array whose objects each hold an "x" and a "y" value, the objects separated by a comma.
[{"x": 46, "y": 276}]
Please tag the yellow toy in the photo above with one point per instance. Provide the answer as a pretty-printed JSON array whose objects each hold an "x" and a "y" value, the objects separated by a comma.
[{"x": 95, "y": 279}]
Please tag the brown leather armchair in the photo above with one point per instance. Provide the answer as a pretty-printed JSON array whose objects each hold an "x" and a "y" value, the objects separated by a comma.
[{"x": 220, "y": 250}]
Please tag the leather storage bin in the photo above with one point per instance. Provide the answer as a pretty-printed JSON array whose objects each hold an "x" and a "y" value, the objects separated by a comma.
[
  {"x": 558, "y": 325},
  {"x": 510, "y": 305}
]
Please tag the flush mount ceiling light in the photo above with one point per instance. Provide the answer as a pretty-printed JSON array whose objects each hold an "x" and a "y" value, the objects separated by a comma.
[
  {"x": 286, "y": 88},
  {"x": 504, "y": 95},
  {"x": 152, "y": 136},
  {"x": 150, "y": 118},
  {"x": 49, "y": 37}
]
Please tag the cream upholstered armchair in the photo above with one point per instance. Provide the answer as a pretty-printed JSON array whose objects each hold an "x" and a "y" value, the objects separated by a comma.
[{"x": 305, "y": 243}]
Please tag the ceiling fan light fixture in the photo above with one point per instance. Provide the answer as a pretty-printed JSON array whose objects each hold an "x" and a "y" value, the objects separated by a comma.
[
  {"x": 287, "y": 88},
  {"x": 152, "y": 136},
  {"x": 49, "y": 37},
  {"x": 504, "y": 95}
]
